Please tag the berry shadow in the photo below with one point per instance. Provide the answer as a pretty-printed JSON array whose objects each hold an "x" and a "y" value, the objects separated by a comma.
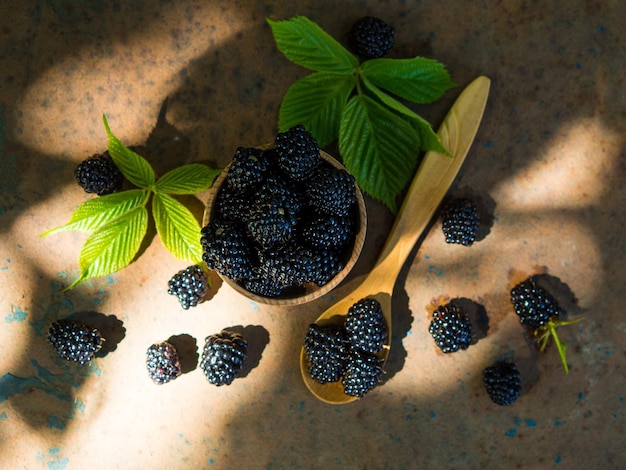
[
  {"x": 187, "y": 348},
  {"x": 257, "y": 338}
]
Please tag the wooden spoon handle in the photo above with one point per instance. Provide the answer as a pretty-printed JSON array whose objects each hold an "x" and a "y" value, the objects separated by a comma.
[{"x": 434, "y": 177}]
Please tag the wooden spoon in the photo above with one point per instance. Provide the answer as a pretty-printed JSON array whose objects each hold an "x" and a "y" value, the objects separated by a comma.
[{"x": 428, "y": 188}]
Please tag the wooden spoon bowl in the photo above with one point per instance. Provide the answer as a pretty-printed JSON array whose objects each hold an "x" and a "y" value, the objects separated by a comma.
[{"x": 428, "y": 188}]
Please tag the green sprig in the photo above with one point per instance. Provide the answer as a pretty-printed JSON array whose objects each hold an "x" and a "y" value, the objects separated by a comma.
[
  {"x": 379, "y": 137},
  {"x": 547, "y": 331},
  {"x": 118, "y": 222}
]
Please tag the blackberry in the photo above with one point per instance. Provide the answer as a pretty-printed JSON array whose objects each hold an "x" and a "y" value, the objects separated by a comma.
[
  {"x": 227, "y": 249},
  {"x": 461, "y": 221},
  {"x": 247, "y": 169},
  {"x": 365, "y": 326},
  {"x": 277, "y": 188},
  {"x": 231, "y": 205},
  {"x": 285, "y": 267},
  {"x": 533, "y": 304},
  {"x": 326, "y": 349},
  {"x": 371, "y": 37},
  {"x": 332, "y": 191},
  {"x": 450, "y": 328},
  {"x": 297, "y": 153},
  {"x": 162, "y": 362},
  {"x": 362, "y": 373},
  {"x": 502, "y": 382},
  {"x": 271, "y": 223},
  {"x": 264, "y": 287},
  {"x": 327, "y": 232},
  {"x": 74, "y": 340},
  {"x": 189, "y": 285},
  {"x": 98, "y": 174},
  {"x": 223, "y": 356}
]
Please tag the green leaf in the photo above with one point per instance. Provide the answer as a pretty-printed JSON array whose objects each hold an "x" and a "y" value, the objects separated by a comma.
[
  {"x": 304, "y": 43},
  {"x": 94, "y": 213},
  {"x": 135, "y": 168},
  {"x": 426, "y": 137},
  {"x": 316, "y": 101},
  {"x": 178, "y": 228},
  {"x": 113, "y": 246},
  {"x": 378, "y": 147},
  {"x": 419, "y": 80},
  {"x": 187, "y": 179}
]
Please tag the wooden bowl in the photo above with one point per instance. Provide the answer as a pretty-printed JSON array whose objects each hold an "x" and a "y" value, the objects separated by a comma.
[{"x": 310, "y": 291}]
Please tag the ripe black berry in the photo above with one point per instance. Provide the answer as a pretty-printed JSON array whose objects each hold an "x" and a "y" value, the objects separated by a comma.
[
  {"x": 74, "y": 340},
  {"x": 326, "y": 350},
  {"x": 365, "y": 326},
  {"x": 450, "y": 328},
  {"x": 362, "y": 373},
  {"x": 247, "y": 169},
  {"x": 227, "y": 249},
  {"x": 371, "y": 37},
  {"x": 98, "y": 174},
  {"x": 189, "y": 285},
  {"x": 461, "y": 221},
  {"x": 162, "y": 362},
  {"x": 502, "y": 382},
  {"x": 297, "y": 153},
  {"x": 332, "y": 191},
  {"x": 533, "y": 304},
  {"x": 223, "y": 356}
]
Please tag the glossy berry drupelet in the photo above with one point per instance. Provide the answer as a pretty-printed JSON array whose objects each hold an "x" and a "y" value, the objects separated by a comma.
[
  {"x": 371, "y": 37},
  {"x": 98, "y": 174},
  {"x": 227, "y": 249},
  {"x": 326, "y": 349},
  {"x": 461, "y": 221},
  {"x": 361, "y": 374},
  {"x": 74, "y": 340},
  {"x": 223, "y": 356},
  {"x": 297, "y": 153},
  {"x": 502, "y": 382},
  {"x": 190, "y": 286},
  {"x": 332, "y": 191},
  {"x": 533, "y": 304},
  {"x": 365, "y": 326},
  {"x": 450, "y": 328},
  {"x": 162, "y": 362}
]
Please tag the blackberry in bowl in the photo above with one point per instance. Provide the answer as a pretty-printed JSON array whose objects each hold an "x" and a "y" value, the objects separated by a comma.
[{"x": 281, "y": 234}]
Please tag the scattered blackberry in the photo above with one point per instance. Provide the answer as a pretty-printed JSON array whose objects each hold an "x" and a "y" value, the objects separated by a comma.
[
  {"x": 98, "y": 174},
  {"x": 461, "y": 221},
  {"x": 247, "y": 169},
  {"x": 450, "y": 328},
  {"x": 362, "y": 373},
  {"x": 226, "y": 249},
  {"x": 332, "y": 191},
  {"x": 189, "y": 285},
  {"x": 371, "y": 37},
  {"x": 330, "y": 233},
  {"x": 271, "y": 223},
  {"x": 75, "y": 341},
  {"x": 533, "y": 304},
  {"x": 326, "y": 349},
  {"x": 223, "y": 356},
  {"x": 365, "y": 326},
  {"x": 502, "y": 382},
  {"x": 162, "y": 362},
  {"x": 297, "y": 153}
]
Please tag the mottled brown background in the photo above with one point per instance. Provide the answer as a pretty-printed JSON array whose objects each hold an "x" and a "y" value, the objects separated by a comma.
[{"x": 190, "y": 81}]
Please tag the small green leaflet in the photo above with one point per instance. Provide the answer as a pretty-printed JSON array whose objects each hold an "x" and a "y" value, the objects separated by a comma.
[
  {"x": 92, "y": 214},
  {"x": 113, "y": 246},
  {"x": 178, "y": 228},
  {"x": 187, "y": 179},
  {"x": 419, "y": 80},
  {"x": 316, "y": 101},
  {"x": 118, "y": 222},
  {"x": 134, "y": 167},
  {"x": 381, "y": 148},
  {"x": 304, "y": 43}
]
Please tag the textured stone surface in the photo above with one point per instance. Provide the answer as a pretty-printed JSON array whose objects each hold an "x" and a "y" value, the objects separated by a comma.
[{"x": 187, "y": 81}]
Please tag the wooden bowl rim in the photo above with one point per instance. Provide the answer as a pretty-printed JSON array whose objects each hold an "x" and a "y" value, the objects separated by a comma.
[{"x": 312, "y": 291}]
